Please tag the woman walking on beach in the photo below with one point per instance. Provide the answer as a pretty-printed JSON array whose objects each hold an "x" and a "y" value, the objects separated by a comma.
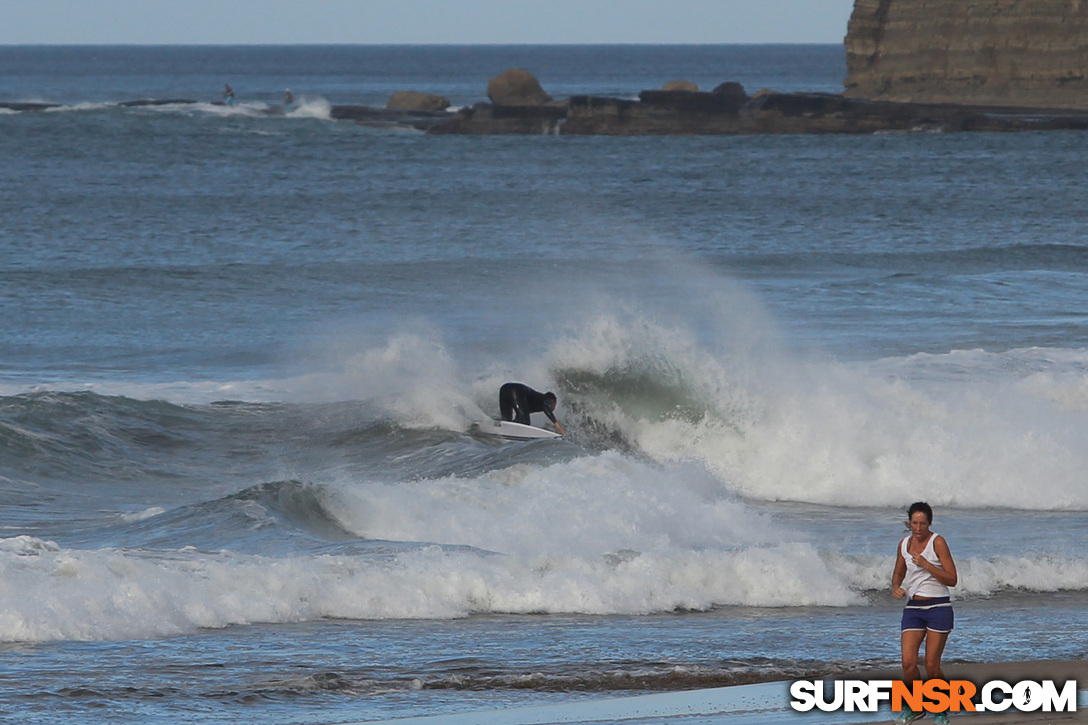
[{"x": 924, "y": 571}]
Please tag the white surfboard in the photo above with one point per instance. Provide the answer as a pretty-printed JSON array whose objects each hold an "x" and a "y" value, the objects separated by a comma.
[{"x": 512, "y": 431}]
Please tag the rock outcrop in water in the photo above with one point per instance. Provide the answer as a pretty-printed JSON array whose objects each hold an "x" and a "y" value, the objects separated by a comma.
[
  {"x": 417, "y": 101},
  {"x": 913, "y": 65},
  {"x": 517, "y": 87},
  {"x": 662, "y": 113},
  {"x": 680, "y": 85},
  {"x": 1012, "y": 53}
]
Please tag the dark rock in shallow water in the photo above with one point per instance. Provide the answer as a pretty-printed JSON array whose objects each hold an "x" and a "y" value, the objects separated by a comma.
[
  {"x": 832, "y": 113},
  {"x": 27, "y": 105},
  {"x": 488, "y": 119},
  {"x": 157, "y": 102},
  {"x": 417, "y": 101},
  {"x": 730, "y": 111},
  {"x": 516, "y": 87},
  {"x": 659, "y": 113},
  {"x": 732, "y": 89},
  {"x": 695, "y": 102},
  {"x": 680, "y": 85},
  {"x": 388, "y": 117},
  {"x": 656, "y": 113}
]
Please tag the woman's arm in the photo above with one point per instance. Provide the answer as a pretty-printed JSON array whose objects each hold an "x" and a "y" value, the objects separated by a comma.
[
  {"x": 898, "y": 574},
  {"x": 947, "y": 574}
]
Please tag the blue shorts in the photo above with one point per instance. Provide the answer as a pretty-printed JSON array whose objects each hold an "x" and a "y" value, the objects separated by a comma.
[{"x": 934, "y": 615}]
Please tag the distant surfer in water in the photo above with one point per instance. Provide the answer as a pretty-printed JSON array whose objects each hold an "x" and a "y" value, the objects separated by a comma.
[
  {"x": 228, "y": 94},
  {"x": 288, "y": 99},
  {"x": 518, "y": 401},
  {"x": 924, "y": 571}
]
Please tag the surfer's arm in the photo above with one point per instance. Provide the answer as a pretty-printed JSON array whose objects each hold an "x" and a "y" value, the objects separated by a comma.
[
  {"x": 551, "y": 416},
  {"x": 546, "y": 405}
]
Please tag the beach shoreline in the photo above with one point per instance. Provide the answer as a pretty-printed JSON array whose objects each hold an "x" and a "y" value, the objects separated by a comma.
[{"x": 769, "y": 702}]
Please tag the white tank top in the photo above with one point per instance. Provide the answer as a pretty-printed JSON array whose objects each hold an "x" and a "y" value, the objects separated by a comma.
[{"x": 918, "y": 581}]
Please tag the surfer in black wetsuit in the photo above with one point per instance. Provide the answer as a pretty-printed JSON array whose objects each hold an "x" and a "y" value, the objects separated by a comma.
[{"x": 517, "y": 401}]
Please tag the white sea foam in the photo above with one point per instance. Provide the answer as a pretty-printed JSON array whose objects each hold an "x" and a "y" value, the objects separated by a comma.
[
  {"x": 411, "y": 376},
  {"x": 106, "y": 594},
  {"x": 978, "y": 577},
  {"x": 85, "y": 106},
  {"x": 148, "y": 513},
  {"x": 601, "y": 535},
  {"x": 821, "y": 431},
  {"x": 255, "y": 109},
  {"x": 585, "y": 507},
  {"x": 49, "y": 593},
  {"x": 311, "y": 108}
]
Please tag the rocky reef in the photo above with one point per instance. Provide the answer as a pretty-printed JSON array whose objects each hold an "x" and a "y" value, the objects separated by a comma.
[
  {"x": 729, "y": 110},
  {"x": 912, "y": 65},
  {"x": 1009, "y": 53}
]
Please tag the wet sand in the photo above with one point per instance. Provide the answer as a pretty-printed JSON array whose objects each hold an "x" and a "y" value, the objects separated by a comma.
[{"x": 768, "y": 703}]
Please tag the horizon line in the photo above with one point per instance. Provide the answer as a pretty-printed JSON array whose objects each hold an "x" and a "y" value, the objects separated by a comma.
[{"x": 402, "y": 45}]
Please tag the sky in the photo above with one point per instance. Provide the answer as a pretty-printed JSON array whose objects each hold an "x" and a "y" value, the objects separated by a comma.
[{"x": 35, "y": 22}]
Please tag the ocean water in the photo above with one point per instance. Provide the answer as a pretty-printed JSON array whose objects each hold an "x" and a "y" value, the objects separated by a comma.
[{"x": 242, "y": 350}]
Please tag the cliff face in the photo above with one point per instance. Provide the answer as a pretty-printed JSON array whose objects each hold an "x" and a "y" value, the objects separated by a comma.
[{"x": 1023, "y": 53}]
